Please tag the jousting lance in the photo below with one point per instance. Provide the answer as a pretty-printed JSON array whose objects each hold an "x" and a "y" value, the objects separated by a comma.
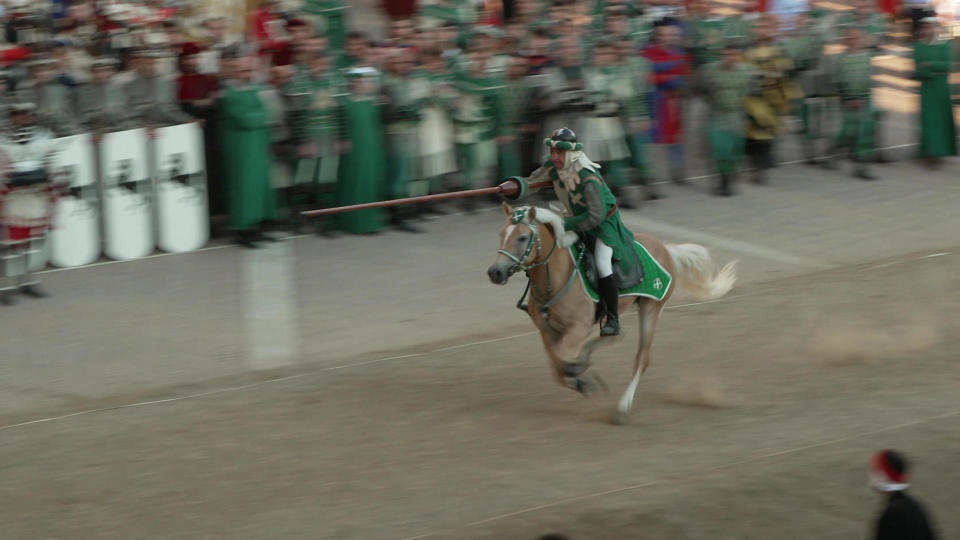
[{"x": 506, "y": 188}]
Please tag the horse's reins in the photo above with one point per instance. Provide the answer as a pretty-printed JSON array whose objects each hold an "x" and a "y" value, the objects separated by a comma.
[{"x": 520, "y": 218}]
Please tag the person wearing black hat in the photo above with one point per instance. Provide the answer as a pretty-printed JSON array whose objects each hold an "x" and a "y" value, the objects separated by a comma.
[{"x": 903, "y": 517}]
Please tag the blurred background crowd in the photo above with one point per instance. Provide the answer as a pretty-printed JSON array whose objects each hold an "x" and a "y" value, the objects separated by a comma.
[{"x": 306, "y": 105}]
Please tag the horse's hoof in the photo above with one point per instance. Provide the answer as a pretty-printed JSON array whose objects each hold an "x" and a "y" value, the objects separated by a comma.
[
  {"x": 583, "y": 386},
  {"x": 619, "y": 418},
  {"x": 575, "y": 369}
]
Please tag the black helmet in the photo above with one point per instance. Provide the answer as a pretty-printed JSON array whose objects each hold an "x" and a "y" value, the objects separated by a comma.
[{"x": 564, "y": 139}]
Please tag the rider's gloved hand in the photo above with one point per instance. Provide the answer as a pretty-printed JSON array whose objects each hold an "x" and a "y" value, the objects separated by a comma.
[{"x": 510, "y": 189}]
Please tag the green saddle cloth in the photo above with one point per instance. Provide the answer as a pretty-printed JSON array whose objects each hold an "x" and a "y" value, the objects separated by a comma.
[{"x": 656, "y": 279}]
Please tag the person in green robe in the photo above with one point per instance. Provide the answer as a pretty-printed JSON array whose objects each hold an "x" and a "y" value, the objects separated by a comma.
[
  {"x": 362, "y": 175},
  {"x": 938, "y": 134},
  {"x": 245, "y": 138},
  {"x": 728, "y": 82},
  {"x": 853, "y": 77}
]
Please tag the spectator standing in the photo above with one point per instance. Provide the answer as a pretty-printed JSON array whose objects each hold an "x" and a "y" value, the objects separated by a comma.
[
  {"x": 103, "y": 105},
  {"x": 903, "y": 516},
  {"x": 671, "y": 68},
  {"x": 153, "y": 96},
  {"x": 609, "y": 92},
  {"x": 853, "y": 77},
  {"x": 197, "y": 94},
  {"x": 805, "y": 47},
  {"x": 474, "y": 119},
  {"x": 931, "y": 56},
  {"x": 245, "y": 147},
  {"x": 405, "y": 95},
  {"x": 728, "y": 82},
  {"x": 775, "y": 96},
  {"x": 513, "y": 112},
  {"x": 362, "y": 175},
  {"x": 54, "y": 100},
  {"x": 435, "y": 134}
]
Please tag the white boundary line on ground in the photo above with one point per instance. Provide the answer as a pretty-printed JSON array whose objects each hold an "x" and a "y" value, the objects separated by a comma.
[
  {"x": 375, "y": 361},
  {"x": 691, "y": 474}
]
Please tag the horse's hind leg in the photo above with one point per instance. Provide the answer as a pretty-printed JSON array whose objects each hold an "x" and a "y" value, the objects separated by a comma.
[{"x": 649, "y": 314}]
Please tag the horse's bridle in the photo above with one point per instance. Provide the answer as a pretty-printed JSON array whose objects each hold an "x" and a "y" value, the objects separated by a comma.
[{"x": 519, "y": 217}]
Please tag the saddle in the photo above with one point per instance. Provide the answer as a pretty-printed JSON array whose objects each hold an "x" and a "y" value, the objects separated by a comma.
[{"x": 625, "y": 279}]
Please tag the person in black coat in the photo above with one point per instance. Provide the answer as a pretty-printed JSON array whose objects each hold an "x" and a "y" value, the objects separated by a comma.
[{"x": 903, "y": 518}]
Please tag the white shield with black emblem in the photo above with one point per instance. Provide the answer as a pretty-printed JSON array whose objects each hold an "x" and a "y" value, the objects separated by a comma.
[
  {"x": 127, "y": 193},
  {"x": 181, "y": 188},
  {"x": 75, "y": 231}
]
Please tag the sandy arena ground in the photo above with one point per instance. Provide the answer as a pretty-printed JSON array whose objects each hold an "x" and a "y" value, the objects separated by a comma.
[{"x": 380, "y": 388}]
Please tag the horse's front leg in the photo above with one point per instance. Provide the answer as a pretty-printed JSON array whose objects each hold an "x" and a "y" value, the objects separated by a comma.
[{"x": 559, "y": 348}]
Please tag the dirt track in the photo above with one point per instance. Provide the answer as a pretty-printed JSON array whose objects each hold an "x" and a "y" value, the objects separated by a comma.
[{"x": 753, "y": 422}]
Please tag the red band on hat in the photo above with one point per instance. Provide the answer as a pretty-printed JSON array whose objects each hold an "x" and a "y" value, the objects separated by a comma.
[{"x": 882, "y": 465}]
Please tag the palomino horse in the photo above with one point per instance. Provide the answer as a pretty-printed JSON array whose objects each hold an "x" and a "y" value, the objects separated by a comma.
[{"x": 566, "y": 315}]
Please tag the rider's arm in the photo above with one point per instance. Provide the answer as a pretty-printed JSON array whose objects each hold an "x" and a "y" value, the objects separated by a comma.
[
  {"x": 595, "y": 211},
  {"x": 516, "y": 188}
]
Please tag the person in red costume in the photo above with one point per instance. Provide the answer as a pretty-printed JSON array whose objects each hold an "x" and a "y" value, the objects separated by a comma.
[
  {"x": 268, "y": 27},
  {"x": 670, "y": 66}
]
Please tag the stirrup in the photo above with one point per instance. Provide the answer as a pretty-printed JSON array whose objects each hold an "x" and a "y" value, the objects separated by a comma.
[{"x": 611, "y": 327}]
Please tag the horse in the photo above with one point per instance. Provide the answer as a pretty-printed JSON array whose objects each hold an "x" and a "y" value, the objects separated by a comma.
[{"x": 534, "y": 241}]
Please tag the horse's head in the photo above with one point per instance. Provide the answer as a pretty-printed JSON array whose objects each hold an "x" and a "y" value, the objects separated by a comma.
[{"x": 522, "y": 240}]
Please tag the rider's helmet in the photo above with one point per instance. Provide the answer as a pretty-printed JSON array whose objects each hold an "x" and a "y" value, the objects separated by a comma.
[{"x": 563, "y": 139}]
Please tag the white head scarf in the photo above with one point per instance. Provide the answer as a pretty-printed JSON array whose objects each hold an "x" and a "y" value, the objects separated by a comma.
[{"x": 575, "y": 161}]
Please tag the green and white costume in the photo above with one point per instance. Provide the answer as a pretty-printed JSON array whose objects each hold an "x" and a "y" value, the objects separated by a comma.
[
  {"x": 435, "y": 135},
  {"x": 592, "y": 211},
  {"x": 852, "y": 75},
  {"x": 728, "y": 87},
  {"x": 474, "y": 119},
  {"x": 406, "y": 96}
]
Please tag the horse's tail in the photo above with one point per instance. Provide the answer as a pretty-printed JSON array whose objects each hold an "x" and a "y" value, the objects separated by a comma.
[{"x": 696, "y": 276}]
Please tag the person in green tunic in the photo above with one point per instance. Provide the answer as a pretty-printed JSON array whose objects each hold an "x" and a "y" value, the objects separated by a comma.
[
  {"x": 635, "y": 115},
  {"x": 593, "y": 213},
  {"x": 938, "y": 134},
  {"x": 853, "y": 77},
  {"x": 318, "y": 130},
  {"x": 513, "y": 112},
  {"x": 474, "y": 120},
  {"x": 876, "y": 27},
  {"x": 405, "y": 96},
  {"x": 362, "y": 175},
  {"x": 245, "y": 139},
  {"x": 805, "y": 48},
  {"x": 728, "y": 82}
]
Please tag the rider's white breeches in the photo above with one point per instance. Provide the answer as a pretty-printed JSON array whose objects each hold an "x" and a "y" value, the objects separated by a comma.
[{"x": 604, "y": 256}]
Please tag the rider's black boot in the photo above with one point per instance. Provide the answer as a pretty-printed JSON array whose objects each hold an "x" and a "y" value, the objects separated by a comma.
[{"x": 610, "y": 297}]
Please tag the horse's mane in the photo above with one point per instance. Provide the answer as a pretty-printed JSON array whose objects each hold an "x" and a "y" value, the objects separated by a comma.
[{"x": 552, "y": 219}]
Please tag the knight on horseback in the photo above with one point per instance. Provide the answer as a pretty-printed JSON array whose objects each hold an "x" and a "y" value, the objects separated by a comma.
[{"x": 593, "y": 215}]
